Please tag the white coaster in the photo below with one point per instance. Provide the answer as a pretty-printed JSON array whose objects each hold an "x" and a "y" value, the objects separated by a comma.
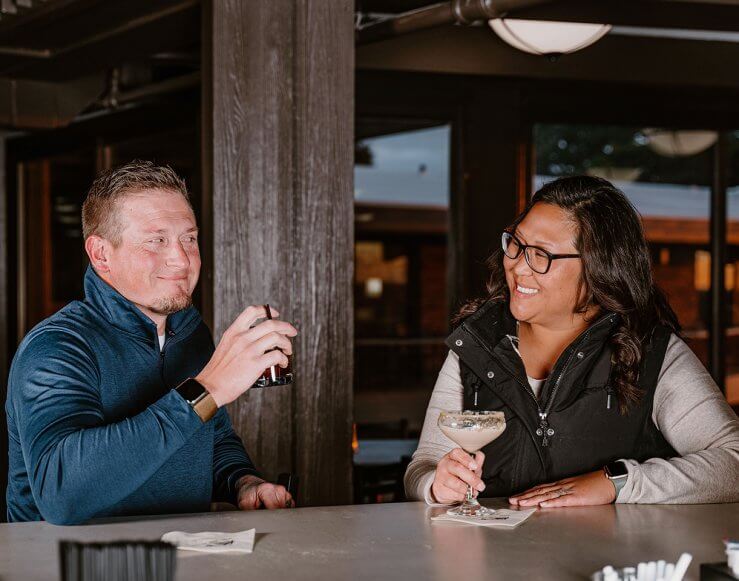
[{"x": 501, "y": 518}]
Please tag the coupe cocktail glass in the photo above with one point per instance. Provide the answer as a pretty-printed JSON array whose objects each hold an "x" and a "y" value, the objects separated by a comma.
[{"x": 471, "y": 430}]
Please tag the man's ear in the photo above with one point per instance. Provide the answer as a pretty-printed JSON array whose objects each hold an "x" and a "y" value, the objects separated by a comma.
[{"x": 98, "y": 250}]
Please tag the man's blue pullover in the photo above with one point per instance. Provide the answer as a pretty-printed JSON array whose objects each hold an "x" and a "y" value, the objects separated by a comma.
[{"x": 95, "y": 428}]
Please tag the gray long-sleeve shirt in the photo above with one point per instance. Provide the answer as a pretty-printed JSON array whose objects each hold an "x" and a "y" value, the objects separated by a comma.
[{"x": 689, "y": 410}]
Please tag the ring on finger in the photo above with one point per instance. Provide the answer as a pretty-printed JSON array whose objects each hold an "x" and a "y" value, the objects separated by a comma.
[{"x": 562, "y": 492}]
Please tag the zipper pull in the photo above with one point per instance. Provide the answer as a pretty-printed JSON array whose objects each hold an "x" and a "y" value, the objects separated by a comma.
[
  {"x": 609, "y": 391},
  {"x": 542, "y": 424},
  {"x": 544, "y": 431},
  {"x": 477, "y": 389}
]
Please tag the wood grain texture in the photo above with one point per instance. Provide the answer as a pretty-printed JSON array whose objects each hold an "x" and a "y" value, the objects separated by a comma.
[
  {"x": 4, "y": 325},
  {"x": 282, "y": 183}
]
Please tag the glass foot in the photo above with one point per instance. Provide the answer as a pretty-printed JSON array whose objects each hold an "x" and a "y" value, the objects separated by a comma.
[{"x": 470, "y": 509}]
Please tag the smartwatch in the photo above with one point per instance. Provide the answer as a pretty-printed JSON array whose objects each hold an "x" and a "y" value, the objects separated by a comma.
[
  {"x": 199, "y": 399},
  {"x": 617, "y": 473}
]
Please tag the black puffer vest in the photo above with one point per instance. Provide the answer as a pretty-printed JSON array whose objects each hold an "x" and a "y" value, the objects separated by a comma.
[{"x": 575, "y": 427}]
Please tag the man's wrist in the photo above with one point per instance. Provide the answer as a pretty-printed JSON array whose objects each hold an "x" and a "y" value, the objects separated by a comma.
[
  {"x": 210, "y": 388},
  {"x": 198, "y": 398}
]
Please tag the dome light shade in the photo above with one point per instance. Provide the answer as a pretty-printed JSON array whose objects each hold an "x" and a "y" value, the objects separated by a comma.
[
  {"x": 543, "y": 37},
  {"x": 679, "y": 143}
]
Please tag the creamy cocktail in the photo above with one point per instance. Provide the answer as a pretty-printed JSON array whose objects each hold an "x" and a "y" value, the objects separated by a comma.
[{"x": 471, "y": 431}]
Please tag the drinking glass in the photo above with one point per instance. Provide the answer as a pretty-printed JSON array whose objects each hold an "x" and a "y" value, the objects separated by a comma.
[
  {"x": 472, "y": 431},
  {"x": 275, "y": 375}
]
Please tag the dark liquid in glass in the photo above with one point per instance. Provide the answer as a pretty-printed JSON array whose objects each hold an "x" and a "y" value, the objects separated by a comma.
[{"x": 276, "y": 375}]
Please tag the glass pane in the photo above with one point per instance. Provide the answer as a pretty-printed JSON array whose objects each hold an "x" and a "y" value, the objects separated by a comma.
[
  {"x": 732, "y": 272},
  {"x": 401, "y": 318},
  {"x": 667, "y": 175}
]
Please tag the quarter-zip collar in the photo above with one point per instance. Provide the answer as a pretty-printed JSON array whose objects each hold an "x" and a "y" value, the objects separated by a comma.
[{"x": 126, "y": 316}]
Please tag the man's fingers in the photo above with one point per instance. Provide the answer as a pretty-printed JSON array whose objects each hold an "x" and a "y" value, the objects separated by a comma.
[
  {"x": 270, "y": 341},
  {"x": 275, "y": 497},
  {"x": 283, "y": 328},
  {"x": 270, "y": 497},
  {"x": 249, "y": 500},
  {"x": 273, "y": 358},
  {"x": 249, "y": 316}
]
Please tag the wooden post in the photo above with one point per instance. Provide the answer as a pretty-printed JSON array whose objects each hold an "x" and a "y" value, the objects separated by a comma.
[
  {"x": 4, "y": 325},
  {"x": 278, "y": 162},
  {"x": 717, "y": 329},
  {"x": 487, "y": 199}
]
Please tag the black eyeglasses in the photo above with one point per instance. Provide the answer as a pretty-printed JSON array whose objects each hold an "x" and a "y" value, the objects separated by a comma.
[{"x": 537, "y": 258}]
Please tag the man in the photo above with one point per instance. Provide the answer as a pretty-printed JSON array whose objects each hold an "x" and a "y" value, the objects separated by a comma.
[{"x": 115, "y": 403}]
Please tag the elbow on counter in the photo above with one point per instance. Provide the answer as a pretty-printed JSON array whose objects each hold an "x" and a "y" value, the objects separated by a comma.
[{"x": 63, "y": 513}]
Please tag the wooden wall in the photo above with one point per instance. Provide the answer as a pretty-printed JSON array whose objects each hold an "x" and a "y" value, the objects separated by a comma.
[
  {"x": 4, "y": 326},
  {"x": 278, "y": 133}
]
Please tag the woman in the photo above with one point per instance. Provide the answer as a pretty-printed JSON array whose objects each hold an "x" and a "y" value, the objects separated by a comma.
[{"x": 580, "y": 350}]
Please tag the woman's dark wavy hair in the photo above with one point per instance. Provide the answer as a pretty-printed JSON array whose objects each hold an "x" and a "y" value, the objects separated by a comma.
[{"x": 616, "y": 272}]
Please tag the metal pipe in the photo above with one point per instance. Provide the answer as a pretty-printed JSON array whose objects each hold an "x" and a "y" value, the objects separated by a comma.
[
  {"x": 456, "y": 11},
  {"x": 421, "y": 19},
  {"x": 681, "y": 14},
  {"x": 717, "y": 338},
  {"x": 168, "y": 86},
  {"x": 469, "y": 11}
]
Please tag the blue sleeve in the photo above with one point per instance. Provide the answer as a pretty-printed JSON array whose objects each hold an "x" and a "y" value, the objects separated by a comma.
[
  {"x": 230, "y": 460},
  {"x": 77, "y": 464}
]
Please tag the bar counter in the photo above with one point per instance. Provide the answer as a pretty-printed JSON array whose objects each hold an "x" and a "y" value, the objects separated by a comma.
[{"x": 398, "y": 541}]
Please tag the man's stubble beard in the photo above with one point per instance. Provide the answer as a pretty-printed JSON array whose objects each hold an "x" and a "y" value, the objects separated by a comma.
[{"x": 172, "y": 304}]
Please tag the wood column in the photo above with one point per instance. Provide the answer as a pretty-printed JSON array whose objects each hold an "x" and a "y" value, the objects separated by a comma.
[
  {"x": 4, "y": 325},
  {"x": 278, "y": 131},
  {"x": 487, "y": 200}
]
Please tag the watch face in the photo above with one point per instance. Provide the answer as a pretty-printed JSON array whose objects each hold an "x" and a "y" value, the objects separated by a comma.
[
  {"x": 616, "y": 469},
  {"x": 190, "y": 390}
]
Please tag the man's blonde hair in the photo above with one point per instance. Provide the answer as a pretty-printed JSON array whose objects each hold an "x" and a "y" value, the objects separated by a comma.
[{"x": 99, "y": 212}]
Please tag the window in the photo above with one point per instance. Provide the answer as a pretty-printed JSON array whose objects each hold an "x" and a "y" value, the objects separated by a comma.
[
  {"x": 667, "y": 176},
  {"x": 400, "y": 291}
]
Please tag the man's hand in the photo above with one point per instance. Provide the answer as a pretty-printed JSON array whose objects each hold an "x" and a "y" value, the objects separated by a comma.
[
  {"x": 244, "y": 352},
  {"x": 454, "y": 472},
  {"x": 255, "y": 493},
  {"x": 585, "y": 490}
]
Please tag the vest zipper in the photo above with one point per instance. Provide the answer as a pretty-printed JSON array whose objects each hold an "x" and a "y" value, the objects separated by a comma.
[{"x": 544, "y": 431}]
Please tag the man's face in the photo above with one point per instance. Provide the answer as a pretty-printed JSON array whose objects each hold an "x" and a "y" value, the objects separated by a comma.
[{"x": 157, "y": 263}]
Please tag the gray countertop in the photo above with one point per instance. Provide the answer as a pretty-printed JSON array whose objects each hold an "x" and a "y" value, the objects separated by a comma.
[{"x": 398, "y": 541}]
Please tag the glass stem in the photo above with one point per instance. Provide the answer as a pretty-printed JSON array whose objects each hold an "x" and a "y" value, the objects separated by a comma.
[{"x": 469, "y": 498}]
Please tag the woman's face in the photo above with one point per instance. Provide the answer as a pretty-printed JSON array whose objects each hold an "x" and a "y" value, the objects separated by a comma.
[{"x": 545, "y": 299}]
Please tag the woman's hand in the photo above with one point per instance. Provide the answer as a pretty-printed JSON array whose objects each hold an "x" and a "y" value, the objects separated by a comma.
[
  {"x": 585, "y": 490},
  {"x": 454, "y": 472}
]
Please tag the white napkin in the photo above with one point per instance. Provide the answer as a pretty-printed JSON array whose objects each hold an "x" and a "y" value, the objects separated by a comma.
[
  {"x": 502, "y": 518},
  {"x": 210, "y": 542}
]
